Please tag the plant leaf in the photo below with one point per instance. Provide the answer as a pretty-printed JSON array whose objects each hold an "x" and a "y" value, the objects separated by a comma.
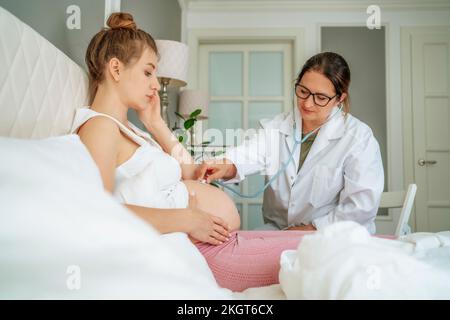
[
  {"x": 189, "y": 123},
  {"x": 181, "y": 138},
  {"x": 195, "y": 113}
]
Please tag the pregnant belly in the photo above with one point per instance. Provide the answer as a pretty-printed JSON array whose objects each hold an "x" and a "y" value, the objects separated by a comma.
[{"x": 215, "y": 201}]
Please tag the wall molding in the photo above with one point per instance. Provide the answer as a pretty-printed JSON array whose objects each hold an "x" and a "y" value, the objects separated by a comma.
[
  {"x": 110, "y": 7},
  {"x": 309, "y": 5},
  {"x": 197, "y": 37}
]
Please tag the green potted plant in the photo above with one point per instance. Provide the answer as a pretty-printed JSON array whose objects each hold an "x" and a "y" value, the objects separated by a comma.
[{"x": 188, "y": 126}]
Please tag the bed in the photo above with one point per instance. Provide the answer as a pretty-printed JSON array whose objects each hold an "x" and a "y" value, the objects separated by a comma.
[
  {"x": 63, "y": 237},
  {"x": 54, "y": 242}
]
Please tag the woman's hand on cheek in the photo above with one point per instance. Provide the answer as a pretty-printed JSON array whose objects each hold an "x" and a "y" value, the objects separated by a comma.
[{"x": 151, "y": 115}]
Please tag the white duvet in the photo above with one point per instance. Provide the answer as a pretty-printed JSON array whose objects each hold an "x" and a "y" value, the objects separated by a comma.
[
  {"x": 62, "y": 236},
  {"x": 344, "y": 262}
]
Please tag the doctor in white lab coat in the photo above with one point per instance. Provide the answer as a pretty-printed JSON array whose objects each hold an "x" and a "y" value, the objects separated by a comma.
[{"x": 336, "y": 174}]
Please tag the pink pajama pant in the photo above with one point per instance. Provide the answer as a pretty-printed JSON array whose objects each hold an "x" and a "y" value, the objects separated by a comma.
[{"x": 250, "y": 258}]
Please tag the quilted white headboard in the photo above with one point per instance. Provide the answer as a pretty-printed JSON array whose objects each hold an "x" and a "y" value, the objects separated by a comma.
[{"x": 40, "y": 87}]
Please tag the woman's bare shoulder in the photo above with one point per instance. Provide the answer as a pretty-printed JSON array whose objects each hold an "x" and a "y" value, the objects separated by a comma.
[
  {"x": 101, "y": 137},
  {"x": 100, "y": 129}
]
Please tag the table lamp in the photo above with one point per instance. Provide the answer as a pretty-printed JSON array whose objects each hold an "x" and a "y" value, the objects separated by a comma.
[{"x": 171, "y": 70}]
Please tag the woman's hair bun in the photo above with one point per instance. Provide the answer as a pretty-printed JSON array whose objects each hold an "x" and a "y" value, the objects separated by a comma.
[{"x": 118, "y": 20}]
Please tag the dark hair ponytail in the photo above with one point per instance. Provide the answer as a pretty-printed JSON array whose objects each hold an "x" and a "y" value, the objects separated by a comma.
[{"x": 335, "y": 68}]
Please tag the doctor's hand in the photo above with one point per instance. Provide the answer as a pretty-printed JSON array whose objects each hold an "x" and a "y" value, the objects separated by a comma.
[
  {"x": 211, "y": 170},
  {"x": 205, "y": 227}
]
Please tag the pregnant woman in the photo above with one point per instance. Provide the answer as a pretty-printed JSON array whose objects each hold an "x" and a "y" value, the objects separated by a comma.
[{"x": 151, "y": 175}]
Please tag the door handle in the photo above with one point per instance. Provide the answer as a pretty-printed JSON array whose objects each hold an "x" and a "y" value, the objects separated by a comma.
[{"x": 423, "y": 162}]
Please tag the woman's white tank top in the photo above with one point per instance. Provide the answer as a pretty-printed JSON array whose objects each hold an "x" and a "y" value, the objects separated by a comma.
[{"x": 151, "y": 177}]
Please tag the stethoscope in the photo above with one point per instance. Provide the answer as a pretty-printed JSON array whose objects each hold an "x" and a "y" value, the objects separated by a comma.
[{"x": 298, "y": 141}]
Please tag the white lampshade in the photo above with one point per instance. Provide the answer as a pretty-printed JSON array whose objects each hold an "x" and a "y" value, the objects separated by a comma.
[
  {"x": 173, "y": 62},
  {"x": 190, "y": 100}
]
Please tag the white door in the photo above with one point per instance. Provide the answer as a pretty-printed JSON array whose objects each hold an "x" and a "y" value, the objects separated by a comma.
[
  {"x": 430, "y": 74},
  {"x": 246, "y": 83}
]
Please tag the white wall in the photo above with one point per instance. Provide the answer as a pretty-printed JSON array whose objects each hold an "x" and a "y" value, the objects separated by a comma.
[
  {"x": 364, "y": 50},
  {"x": 48, "y": 18},
  {"x": 310, "y": 16}
]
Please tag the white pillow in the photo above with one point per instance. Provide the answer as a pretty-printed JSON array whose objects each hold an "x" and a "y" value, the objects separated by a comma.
[{"x": 63, "y": 237}]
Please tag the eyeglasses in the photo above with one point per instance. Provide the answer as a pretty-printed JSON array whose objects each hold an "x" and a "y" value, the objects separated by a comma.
[{"x": 319, "y": 98}]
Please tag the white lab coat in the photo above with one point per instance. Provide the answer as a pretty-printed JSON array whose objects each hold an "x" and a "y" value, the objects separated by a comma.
[{"x": 342, "y": 177}]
